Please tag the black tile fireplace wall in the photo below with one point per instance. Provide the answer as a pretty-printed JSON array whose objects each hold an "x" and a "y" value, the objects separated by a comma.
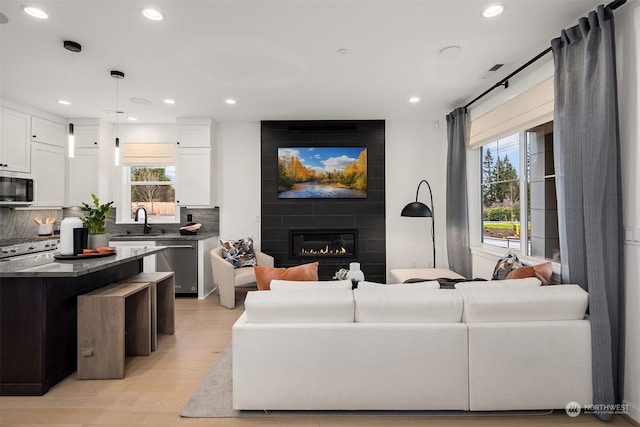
[{"x": 279, "y": 216}]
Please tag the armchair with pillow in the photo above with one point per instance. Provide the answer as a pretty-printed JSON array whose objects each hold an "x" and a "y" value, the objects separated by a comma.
[{"x": 232, "y": 264}]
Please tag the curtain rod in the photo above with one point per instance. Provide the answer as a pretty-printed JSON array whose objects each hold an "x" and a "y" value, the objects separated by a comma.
[{"x": 505, "y": 81}]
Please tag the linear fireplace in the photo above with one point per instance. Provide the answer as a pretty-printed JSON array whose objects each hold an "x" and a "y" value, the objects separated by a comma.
[{"x": 323, "y": 243}]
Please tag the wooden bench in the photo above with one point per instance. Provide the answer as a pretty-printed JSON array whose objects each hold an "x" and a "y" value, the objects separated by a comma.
[
  {"x": 163, "y": 287},
  {"x": 113, "y": 322}
]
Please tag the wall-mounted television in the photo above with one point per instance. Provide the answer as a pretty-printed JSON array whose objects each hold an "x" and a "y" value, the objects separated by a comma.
[{"x": 322, "y": 172}]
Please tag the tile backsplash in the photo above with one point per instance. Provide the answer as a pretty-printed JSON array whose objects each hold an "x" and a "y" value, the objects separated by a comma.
[{"x": 21, "y": 222}]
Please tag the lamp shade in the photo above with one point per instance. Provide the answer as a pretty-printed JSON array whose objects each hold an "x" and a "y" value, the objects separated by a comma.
[{"x": 416, "y": 209}]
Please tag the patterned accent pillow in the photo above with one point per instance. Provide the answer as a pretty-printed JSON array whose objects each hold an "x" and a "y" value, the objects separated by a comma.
[
  {"x": 505, "y": 265},
  {"x": 239, "y": 252}
]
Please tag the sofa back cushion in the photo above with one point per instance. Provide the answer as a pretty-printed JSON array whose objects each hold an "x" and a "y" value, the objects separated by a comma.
[
  {"x": 507, "y": 283},
  {"x": 557, "y": 302},
  {"x": 304, "y": 306},
  {"x": 296, "y": 285},
  {"x": 431, "y": 284},
  {"x": 406, "y": 305}
]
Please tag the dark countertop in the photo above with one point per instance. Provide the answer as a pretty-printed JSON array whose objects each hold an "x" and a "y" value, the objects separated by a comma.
[
  {"x": 45, "y": 265},
  {"x": 165, "y": 236}
]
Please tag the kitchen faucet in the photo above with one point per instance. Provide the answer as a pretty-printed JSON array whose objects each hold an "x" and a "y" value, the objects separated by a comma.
[{"x": 147, "y": 227}]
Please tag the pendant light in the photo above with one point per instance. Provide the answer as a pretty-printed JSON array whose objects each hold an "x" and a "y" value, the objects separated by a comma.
[
  {"x": 118, "y": 75},
  {"x": 72, "y": 47}
]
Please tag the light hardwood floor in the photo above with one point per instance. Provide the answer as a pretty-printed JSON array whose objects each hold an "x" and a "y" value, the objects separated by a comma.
[{"x": 156, "y": 387}]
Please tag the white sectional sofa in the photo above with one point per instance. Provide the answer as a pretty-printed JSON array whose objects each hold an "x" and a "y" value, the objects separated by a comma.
[{"x": 412, "y": 348}]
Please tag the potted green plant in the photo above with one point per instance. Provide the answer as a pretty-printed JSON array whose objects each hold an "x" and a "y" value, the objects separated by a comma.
[{"x": 95, "y": 219}]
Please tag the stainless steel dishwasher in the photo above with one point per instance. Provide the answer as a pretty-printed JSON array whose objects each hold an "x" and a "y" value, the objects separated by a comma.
[{"x": 181, "y": 257}]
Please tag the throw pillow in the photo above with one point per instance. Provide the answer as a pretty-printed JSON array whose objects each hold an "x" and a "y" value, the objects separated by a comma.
[
  {"x": 541, "y": 271},
  {"x": 304, "y": 272},
  {"x": 504, "y": 266},
  {"x": 239, "y": 252}
]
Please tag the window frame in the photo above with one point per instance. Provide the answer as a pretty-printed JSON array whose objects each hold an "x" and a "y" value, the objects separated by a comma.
[
  {"x": 524, "y": 215},
  {"x": 123, "y": 215}
]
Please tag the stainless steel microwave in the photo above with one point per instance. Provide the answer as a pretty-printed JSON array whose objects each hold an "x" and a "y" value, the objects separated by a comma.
[{"x": 16, "y": 191}]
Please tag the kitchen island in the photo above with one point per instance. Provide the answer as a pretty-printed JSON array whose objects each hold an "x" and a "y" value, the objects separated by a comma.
[{"x": 38, "y": 313}]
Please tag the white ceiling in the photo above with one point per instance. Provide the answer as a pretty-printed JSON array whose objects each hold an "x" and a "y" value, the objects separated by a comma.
[{"x": 278, "y": 59}]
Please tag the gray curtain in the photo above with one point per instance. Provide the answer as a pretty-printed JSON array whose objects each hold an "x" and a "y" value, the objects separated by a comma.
[
  {"x": 588, "y": 184},
  {"x": 458, "y": 250}
]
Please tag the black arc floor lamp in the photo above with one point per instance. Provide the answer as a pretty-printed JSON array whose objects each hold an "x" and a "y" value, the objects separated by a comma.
[{"x": 419, "y": 209}]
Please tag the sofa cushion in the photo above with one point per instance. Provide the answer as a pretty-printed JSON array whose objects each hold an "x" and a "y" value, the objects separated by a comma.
[
  {"x": 329, "y": 306},
  {"x": 432, "y": 284},
  {"x": 239, "y": 253},
  {"x": 304, "y": 272},
  {"x": 407, "y": 305},
  {"x": 558, "y": 302},
  {"x": 511, "y": 283},
  {"x": 541, "y": 271},
  {"x": 296, "y": 285}
]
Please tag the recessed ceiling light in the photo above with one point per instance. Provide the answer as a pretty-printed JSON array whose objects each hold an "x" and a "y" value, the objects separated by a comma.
[
  {"x": 169, "y": 101},
  {"x": 342, "y": 51},
  {"x": 64, "y": 102},
  {"x": 230, "y": 101},
  {"x": 492, "y": 11},
  {"x": 414, "y": 99},
  {"x": 140, "y": 101},
  {"x": 133, "y": 119},
  {"x": 152, "y": 14},
  {"x": 450, "y": 52},
  {"x": 35, "y": 12}
]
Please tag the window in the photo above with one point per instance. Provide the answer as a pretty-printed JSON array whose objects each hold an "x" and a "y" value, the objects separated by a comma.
[
  {"x": 519, "y": 206},
  {"x": 149, "y": 178},
  {"x": 154, "y": 188}
]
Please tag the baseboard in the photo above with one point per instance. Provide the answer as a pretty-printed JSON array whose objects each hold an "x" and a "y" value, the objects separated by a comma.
[{"x": 633, "y": 415}]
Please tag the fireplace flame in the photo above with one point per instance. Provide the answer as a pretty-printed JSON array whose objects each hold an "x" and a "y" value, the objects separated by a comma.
[{"x": 325, "y": 251}]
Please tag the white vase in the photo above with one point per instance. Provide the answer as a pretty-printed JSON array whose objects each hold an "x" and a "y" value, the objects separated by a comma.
[
  {"x": 98, "y": 241},
  {"x": 355, "y": 274},
  {"x": 66, "y": 234}
]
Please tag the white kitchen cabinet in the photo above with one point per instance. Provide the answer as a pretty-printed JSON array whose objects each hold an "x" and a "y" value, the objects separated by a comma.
[
  {"x": 193, "y": 176},
  {"x": 48, "y": 166},
  {"x": 86, "y": 136},
  {"x": 194, "y": 152},
  {"x": 194, "y": 135},
  {"x": 15, "y": 154},
  {"x": 84, "y": 176},
  {"x": 49, "y": 132}
]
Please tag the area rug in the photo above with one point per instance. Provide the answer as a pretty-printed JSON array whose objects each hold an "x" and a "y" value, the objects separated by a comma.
[{"x": 213, "y": 399}]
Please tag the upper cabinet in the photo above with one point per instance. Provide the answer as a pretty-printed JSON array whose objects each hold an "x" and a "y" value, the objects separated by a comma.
[
  {"x": 15, "y": 154},
  {"x": 87, "y": 136},
  {"x": 194, "y": 159},
  {"x": 190, "y": 135},
  {"x": 91, "y": 170},
  {"x": 48, "y": 132},
  {"x": 48, "y": 169}
]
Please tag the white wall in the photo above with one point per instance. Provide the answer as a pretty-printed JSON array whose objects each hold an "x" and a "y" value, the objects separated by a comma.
[
  {"x": 415, "y": 151},
  {"x": 627, "y": 22},
  {"x": 239, "y": 180}
]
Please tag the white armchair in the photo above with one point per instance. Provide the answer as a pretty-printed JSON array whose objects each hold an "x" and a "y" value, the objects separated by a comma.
[{"x": 227, "y": 278}]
